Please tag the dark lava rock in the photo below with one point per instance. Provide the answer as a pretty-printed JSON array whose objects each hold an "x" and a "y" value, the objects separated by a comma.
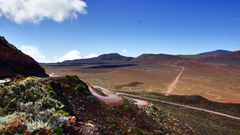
[{"x": 15, "y": 63}]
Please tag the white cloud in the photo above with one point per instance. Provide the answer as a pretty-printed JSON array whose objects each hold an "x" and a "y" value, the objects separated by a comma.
[
  {"x": 124, "y": 51},
  {"x": 74, "y": 54},
  {"x": 33, "y": 52},
  {"x": 35, "y": 11},
  {"x": 92, "y": 55},
  {"x": 71, "y": 55}
]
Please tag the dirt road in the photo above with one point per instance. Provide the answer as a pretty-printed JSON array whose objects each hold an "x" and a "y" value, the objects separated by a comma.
[
  {"x": 180, "y": 105},
  {"x": 173, "y": 85},
  {"x": 110, "y": 98},
  {"x": 113, "y": 99},
  {"x": 116, "y": 99}
]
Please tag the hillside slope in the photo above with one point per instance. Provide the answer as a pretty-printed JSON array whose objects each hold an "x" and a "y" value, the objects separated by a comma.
[
  {"x": 229, "y": 59},
  {"x": 13, "y": 62},
  {"x": 65, "y": 106},
  {"x": 112, "y": 58},
  {"x": 156, "y": 59}
]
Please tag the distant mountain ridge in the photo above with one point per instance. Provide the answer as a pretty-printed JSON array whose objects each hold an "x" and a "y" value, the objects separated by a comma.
[
  {"x": 13, "y": 62},
  {"x": 156, "y": 58},
  {"x": 216, "y": 52},
  {"x": 115, "y": 58},
  {"x": 112, "y": 58},
  {"x": 223, "y": 57},
  {"x": 230, "y": 59}
]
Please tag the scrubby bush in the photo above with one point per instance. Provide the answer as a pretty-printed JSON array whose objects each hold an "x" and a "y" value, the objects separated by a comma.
[
  {"x": 57, "y": 131},
  {"x": 28, "y": 106},
  {"x": 62, "y": 113},
  {"x": 30, "y": 82},
  {"x": 36, "y": 125},
  {"x": 138, "y": 131},
  {"x": 1, "y": 111},
  {"x": 13, "y": 124},
  {"x": 50, "y": 90},
  {"x": 72, "y": 78},
  {"x": 66, "y": 86},
  {"x": 80, "y": 88},
  {"x": 1, "y": 86},
  {"x": 48, "y": 103}
]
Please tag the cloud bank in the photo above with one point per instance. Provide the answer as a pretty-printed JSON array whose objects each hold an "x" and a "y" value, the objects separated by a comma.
[
  {"x": 71, "y": 55},
  {"x": 74, "y": 54},
  {"x": 36, "y": 54},
  {"x": 35, "y": 11},
  {"x": 91, "y": 55},
  {"x": 124, "y": 51},
  {"x": 33, "y": 52}
]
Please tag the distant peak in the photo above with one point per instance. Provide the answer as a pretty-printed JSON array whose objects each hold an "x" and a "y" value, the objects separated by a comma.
[
  {"x": 156, "y": 55},
  {"x": 113, "y": 57},
  {"x": 111, "y": 54},
  {"x": 215, "y": 52},
  {"x": 221, "y": 50}
]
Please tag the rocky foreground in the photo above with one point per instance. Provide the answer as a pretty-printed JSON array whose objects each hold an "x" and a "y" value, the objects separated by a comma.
[{"x": 65, "y": 106}]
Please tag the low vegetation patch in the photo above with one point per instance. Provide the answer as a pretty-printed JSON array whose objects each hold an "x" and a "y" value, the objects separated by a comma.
[{"x": 28, "y": 106}]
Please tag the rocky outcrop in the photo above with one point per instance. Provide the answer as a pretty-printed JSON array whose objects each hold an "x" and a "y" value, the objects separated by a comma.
[{"x": 15, "y": 63}]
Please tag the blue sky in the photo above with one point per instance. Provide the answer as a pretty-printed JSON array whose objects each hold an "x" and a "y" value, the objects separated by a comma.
[{"x": 129, "y": 27}]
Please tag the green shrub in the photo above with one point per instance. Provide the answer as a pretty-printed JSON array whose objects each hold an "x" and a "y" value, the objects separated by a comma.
[
  {"x": 80, "y": 88},
  {"x": 66, "y": 86},
  {"x": 2, "y": 111},
  {"x": 34, "y": 99},
  {"x": 126, "y": 106},
  {"x": 138, "y": 131},
  {"x": 13, "y": 124},
  {"x": 37, "y": 125},
  {"x": 57, "y": 131},
  {"x": 33, "y": 94},
  {"x": 2, "y": 91},
  {"x": 62, "y": 113},
  {"x": 73, "y": 78},
  {"x": 50, "y": 90},
  {"x": 48, "y": 103},
  {"x": 110, "y": 120},
  {"x": 29, "y": 82}
]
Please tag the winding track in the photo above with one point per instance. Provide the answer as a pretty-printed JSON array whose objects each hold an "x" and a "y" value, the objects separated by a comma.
[
  {"x": 179, "y": 105},
  {"x": 110, "y": 98},
  {"x": 116, "y": 99}
]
